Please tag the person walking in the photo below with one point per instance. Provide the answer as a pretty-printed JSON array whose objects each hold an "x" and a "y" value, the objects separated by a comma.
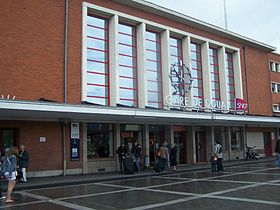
[
  {"x": 9, "y": 170},
  {"x": 122, "y": 152},
  {"x": 137, "y": 154},
  {"x": 173, "y": 157},
  {"x": 277, "y": 151},
  {"x": 163, "y": 155},
  {"x": 219, "y": 153},
  {"x": 23, "y": 162}
]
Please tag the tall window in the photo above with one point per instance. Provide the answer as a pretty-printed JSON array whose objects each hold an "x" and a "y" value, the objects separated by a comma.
[
  {"x": 127, "y": 65},
  {"x": 214, "y": 69},
  {"x": 153, "y": 65},
  {"x": 230, "y": 81},
  {"x": 197, "y": 84},
  {"x": 177, "y": 74},
  {"x": 97, "y": 61}
]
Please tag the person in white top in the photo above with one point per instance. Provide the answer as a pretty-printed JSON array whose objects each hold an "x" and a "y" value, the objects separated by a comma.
[{"x": 219, "y": 153}]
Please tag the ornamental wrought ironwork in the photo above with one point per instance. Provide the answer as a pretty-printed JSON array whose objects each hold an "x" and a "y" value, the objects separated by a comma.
[{"x": 180, "y": 78}]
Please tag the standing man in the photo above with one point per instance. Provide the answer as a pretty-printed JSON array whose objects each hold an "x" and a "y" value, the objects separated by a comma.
[
  {"x": 277, "y": 151},
  {"x": 24, "y": 161},
  {"x": 219, "y": 153},
  {"x": 122, "y": 152}
]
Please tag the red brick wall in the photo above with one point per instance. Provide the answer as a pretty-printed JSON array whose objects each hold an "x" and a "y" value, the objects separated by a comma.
[
  {"x": 259, "y": 87},
  {"x": 275, "y": 77},
  {"x": 48, "y": 155},
  {"x": 32, "y": 49}
]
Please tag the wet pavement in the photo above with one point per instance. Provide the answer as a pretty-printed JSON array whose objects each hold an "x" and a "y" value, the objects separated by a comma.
[{"x": 254, "y": 186}]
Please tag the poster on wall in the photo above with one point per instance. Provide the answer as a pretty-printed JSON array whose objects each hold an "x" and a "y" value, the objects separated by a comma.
[
  {"x": 75, "y": 149},
  {"x": 75, "y": 131}
]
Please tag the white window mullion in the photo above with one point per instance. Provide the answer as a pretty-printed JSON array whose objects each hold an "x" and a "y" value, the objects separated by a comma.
[
  {"x": 113, "y": 61},
  {"x": 142, "y": 76},
  {"x": 206, "y": 72},
  {"x": 223, "y": 77},
  {"x": 165, "y": 59}
]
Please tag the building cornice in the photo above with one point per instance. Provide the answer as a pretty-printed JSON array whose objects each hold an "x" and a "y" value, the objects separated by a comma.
[{"x": 182, "y": 18}]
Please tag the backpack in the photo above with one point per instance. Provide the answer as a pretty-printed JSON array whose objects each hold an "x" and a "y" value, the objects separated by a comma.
[
  {"x": 5, "y": 166},
  {"x": 220, "y": 149}
]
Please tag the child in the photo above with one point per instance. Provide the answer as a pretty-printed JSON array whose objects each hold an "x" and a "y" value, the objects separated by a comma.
[{"x": 213, "y": 162}]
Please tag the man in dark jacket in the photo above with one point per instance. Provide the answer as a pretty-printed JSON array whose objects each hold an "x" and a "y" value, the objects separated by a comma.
[
  {"x": 277, "y": 151},
  {"x": 23, "y": 163},
  {"x": 122, "y": 152}
]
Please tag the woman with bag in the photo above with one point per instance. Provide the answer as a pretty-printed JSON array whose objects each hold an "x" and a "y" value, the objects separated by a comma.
[{"x": 9, "y": 170}]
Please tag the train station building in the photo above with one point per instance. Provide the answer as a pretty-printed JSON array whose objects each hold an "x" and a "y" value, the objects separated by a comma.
[{"x": 79, "y": 78}]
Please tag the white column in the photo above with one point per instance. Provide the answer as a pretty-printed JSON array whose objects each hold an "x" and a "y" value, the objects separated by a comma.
[
  {"x": 113, "y": 62},
  {"x": 206, "y": 72},
  {"x": 84, "y": 53},
  {"x": 165, "y": 59},
  {"x": 237, "y": 75},
  {"x": 229, "y": 142},
  {"x": 147, "y": 144},
  {"x": 141, "y": 60},
  {"x": 186, "y": 45},
  {"x": 223, "y": 77},
  {"x": 85, "y": 161},
  {"x": 117, "y": 139}
]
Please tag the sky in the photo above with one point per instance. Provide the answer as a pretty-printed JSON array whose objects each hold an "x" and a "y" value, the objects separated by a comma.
[{"x": 255, "y": 19}]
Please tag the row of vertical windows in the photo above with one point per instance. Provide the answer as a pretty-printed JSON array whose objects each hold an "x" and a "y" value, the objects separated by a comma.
[{"x": 97, "y": 75}]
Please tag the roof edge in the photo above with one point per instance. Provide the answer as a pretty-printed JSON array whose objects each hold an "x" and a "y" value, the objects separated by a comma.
[{"x": 177, "y": 16}]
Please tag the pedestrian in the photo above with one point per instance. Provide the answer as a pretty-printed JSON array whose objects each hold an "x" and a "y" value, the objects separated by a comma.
[
  {"x": 163, "y": 156},
  {"x": 9, "y": 170},
  {"x": 2, "y": 176},
  {"x": 122, "y": 153},
  {"x": 23, "y": 162},
  {"x": 219, "y": 153},
  {"x": 138, "y": 154},
  {"x": 213, "y": 161},
  {"x": 277, "y": 151},
  {"x": 173, "y": 157}
]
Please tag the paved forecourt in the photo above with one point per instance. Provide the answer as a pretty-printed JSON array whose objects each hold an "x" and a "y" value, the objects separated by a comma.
[{"x": 240, "y": 187}]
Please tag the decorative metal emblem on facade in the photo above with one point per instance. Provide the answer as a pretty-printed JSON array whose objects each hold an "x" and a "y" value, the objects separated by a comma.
[{"x": 180, "y": 78}]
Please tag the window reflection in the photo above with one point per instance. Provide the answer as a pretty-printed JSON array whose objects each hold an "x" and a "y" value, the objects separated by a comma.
[
  {"x": 196, "y": 71},
  {"x": 153, "y": 65},
  {"x": 97, "y": 60},
  {"x": 214, "y": 69},
  {"x": 127, "y": 65},
  {"x": 230, "y": 81}
]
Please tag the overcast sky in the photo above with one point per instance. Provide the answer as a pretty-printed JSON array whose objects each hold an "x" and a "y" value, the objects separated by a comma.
[{"x": 256, "y": 19}]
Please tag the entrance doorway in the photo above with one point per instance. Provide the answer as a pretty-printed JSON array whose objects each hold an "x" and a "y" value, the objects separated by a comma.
[
  {"x": 8, "y": 137},
  {"x": 267, "y": 144},
  {"x": 156, "y": 138},
  {"x": 200, "y": 142},
  {"x": 180, "y": 142}
]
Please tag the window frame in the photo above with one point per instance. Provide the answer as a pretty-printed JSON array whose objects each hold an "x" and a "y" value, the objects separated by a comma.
[
  {"x": 106, "y": 63},
  {"x": 212, "y": 71},
  {"x": 159, "y": 63},
  {"x": 198, "y": 70},
  {"x": 133, "y": 68}
]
